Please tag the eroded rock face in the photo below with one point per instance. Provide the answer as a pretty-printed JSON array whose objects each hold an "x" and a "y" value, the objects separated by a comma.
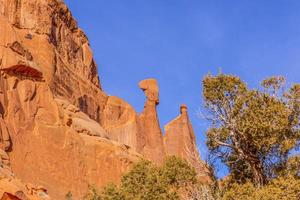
[
  {"x": 51, "y": 102},
  {"x": 152, "y": 141},
  {"x": 12, "y": 188},
  {"x": 179, "y": 140},
  {"x": 42, "y": 35},
  {"x": 5, "y": 142},
  {"x": 58, "y": 128},
  {"x": 120, "y": 121},
  {"x": 57, "y": 145}
]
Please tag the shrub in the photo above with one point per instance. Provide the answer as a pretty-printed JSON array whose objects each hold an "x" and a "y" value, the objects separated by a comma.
[
  {"x": 146, "y": 181},
  {"x": 282, "y": 188}
]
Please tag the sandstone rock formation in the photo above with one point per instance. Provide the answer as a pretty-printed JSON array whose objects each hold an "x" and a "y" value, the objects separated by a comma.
[
  {"x": 119, "y": 119},
  {"x": 13, "y": 189},
  {"x": 152, "y": 147},
  {"x": 58, "y": 127},
  {"x": 179, "y": 140},
  {"x": 57, "y": 145},
  {"x": 179, "y": 136}
]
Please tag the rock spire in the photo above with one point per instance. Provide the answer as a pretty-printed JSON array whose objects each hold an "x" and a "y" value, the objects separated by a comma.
[{"x": 58, "y": 129}]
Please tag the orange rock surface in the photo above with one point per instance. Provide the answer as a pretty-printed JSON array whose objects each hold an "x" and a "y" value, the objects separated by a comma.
[
  {"x": 179, "y": 140},
  {"x": 58, "y": 127},
  {"x": 152, "y": 144}
]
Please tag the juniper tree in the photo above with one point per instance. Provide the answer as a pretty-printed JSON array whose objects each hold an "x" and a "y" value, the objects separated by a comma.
[{"x": 252, "y": 130}]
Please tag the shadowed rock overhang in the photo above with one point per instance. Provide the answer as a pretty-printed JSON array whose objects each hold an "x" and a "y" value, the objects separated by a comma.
[{"x": 24, "y": 71}]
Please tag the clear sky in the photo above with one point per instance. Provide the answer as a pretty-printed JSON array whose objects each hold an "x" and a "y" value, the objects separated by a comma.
[{"x": 179, "y": 41}]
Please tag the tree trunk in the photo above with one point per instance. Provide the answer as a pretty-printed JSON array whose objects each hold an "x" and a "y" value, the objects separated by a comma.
[
  {"x": 253, "y": 161},
  {"x": 258, "y": 175}
]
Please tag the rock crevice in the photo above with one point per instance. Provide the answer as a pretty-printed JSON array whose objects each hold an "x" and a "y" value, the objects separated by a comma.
[{"x": 58, "y": 127}]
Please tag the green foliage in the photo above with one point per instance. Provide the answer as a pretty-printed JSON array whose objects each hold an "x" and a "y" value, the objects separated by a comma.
[
  {"x": 252, "y": 130},
  {"x": 283, "y": 188},
  {"x": 93, "y": 194},
  {"x": 178, "y": 173},
  {"x": 273, "y": 84},
  {"x": 111, "y": 192},
  {"x": 291, "y": 167},
  {"x": 146, "y": 181}
]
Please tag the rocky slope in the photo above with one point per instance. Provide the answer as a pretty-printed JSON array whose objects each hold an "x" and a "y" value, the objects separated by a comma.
[{"x": 58, "y": 127}]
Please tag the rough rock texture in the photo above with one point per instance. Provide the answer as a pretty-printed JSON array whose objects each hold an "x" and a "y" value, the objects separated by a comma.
[
  {"x": 179, "y": 136},
  {"x": 180, "y": 140},
  {"x": 42, "y": 37},
  {"x": 152, "y": 141},
  {"x": 48, "y": 77},
  {"x": 12, "y": 188},
  {"x": 55, "y": 144},
  {"x": 119, "y": 119},
  {"x": 58, "y": 128}
]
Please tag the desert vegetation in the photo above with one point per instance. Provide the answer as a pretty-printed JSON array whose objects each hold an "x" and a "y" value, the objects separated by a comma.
[
  {"x": 174, "y": 179},
  {"x": 254, "y": 132}
]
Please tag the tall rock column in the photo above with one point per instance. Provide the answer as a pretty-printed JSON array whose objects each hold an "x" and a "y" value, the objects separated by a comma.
[{"x": 152, "y": 140}]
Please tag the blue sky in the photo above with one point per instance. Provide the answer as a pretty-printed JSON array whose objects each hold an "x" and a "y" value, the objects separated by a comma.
[{"x": 179, "y": 41}]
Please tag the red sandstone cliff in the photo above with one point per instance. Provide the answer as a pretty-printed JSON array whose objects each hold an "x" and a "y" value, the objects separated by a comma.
[{"x": 58, "y": 127}]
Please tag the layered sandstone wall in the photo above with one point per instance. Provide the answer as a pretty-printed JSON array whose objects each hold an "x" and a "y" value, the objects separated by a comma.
[
  {"x": 51, "y": 100},
  {"x": 56, "y": 145},
  {"x": 42, "y": 34},
  {"x": 57, "y": 125}
]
